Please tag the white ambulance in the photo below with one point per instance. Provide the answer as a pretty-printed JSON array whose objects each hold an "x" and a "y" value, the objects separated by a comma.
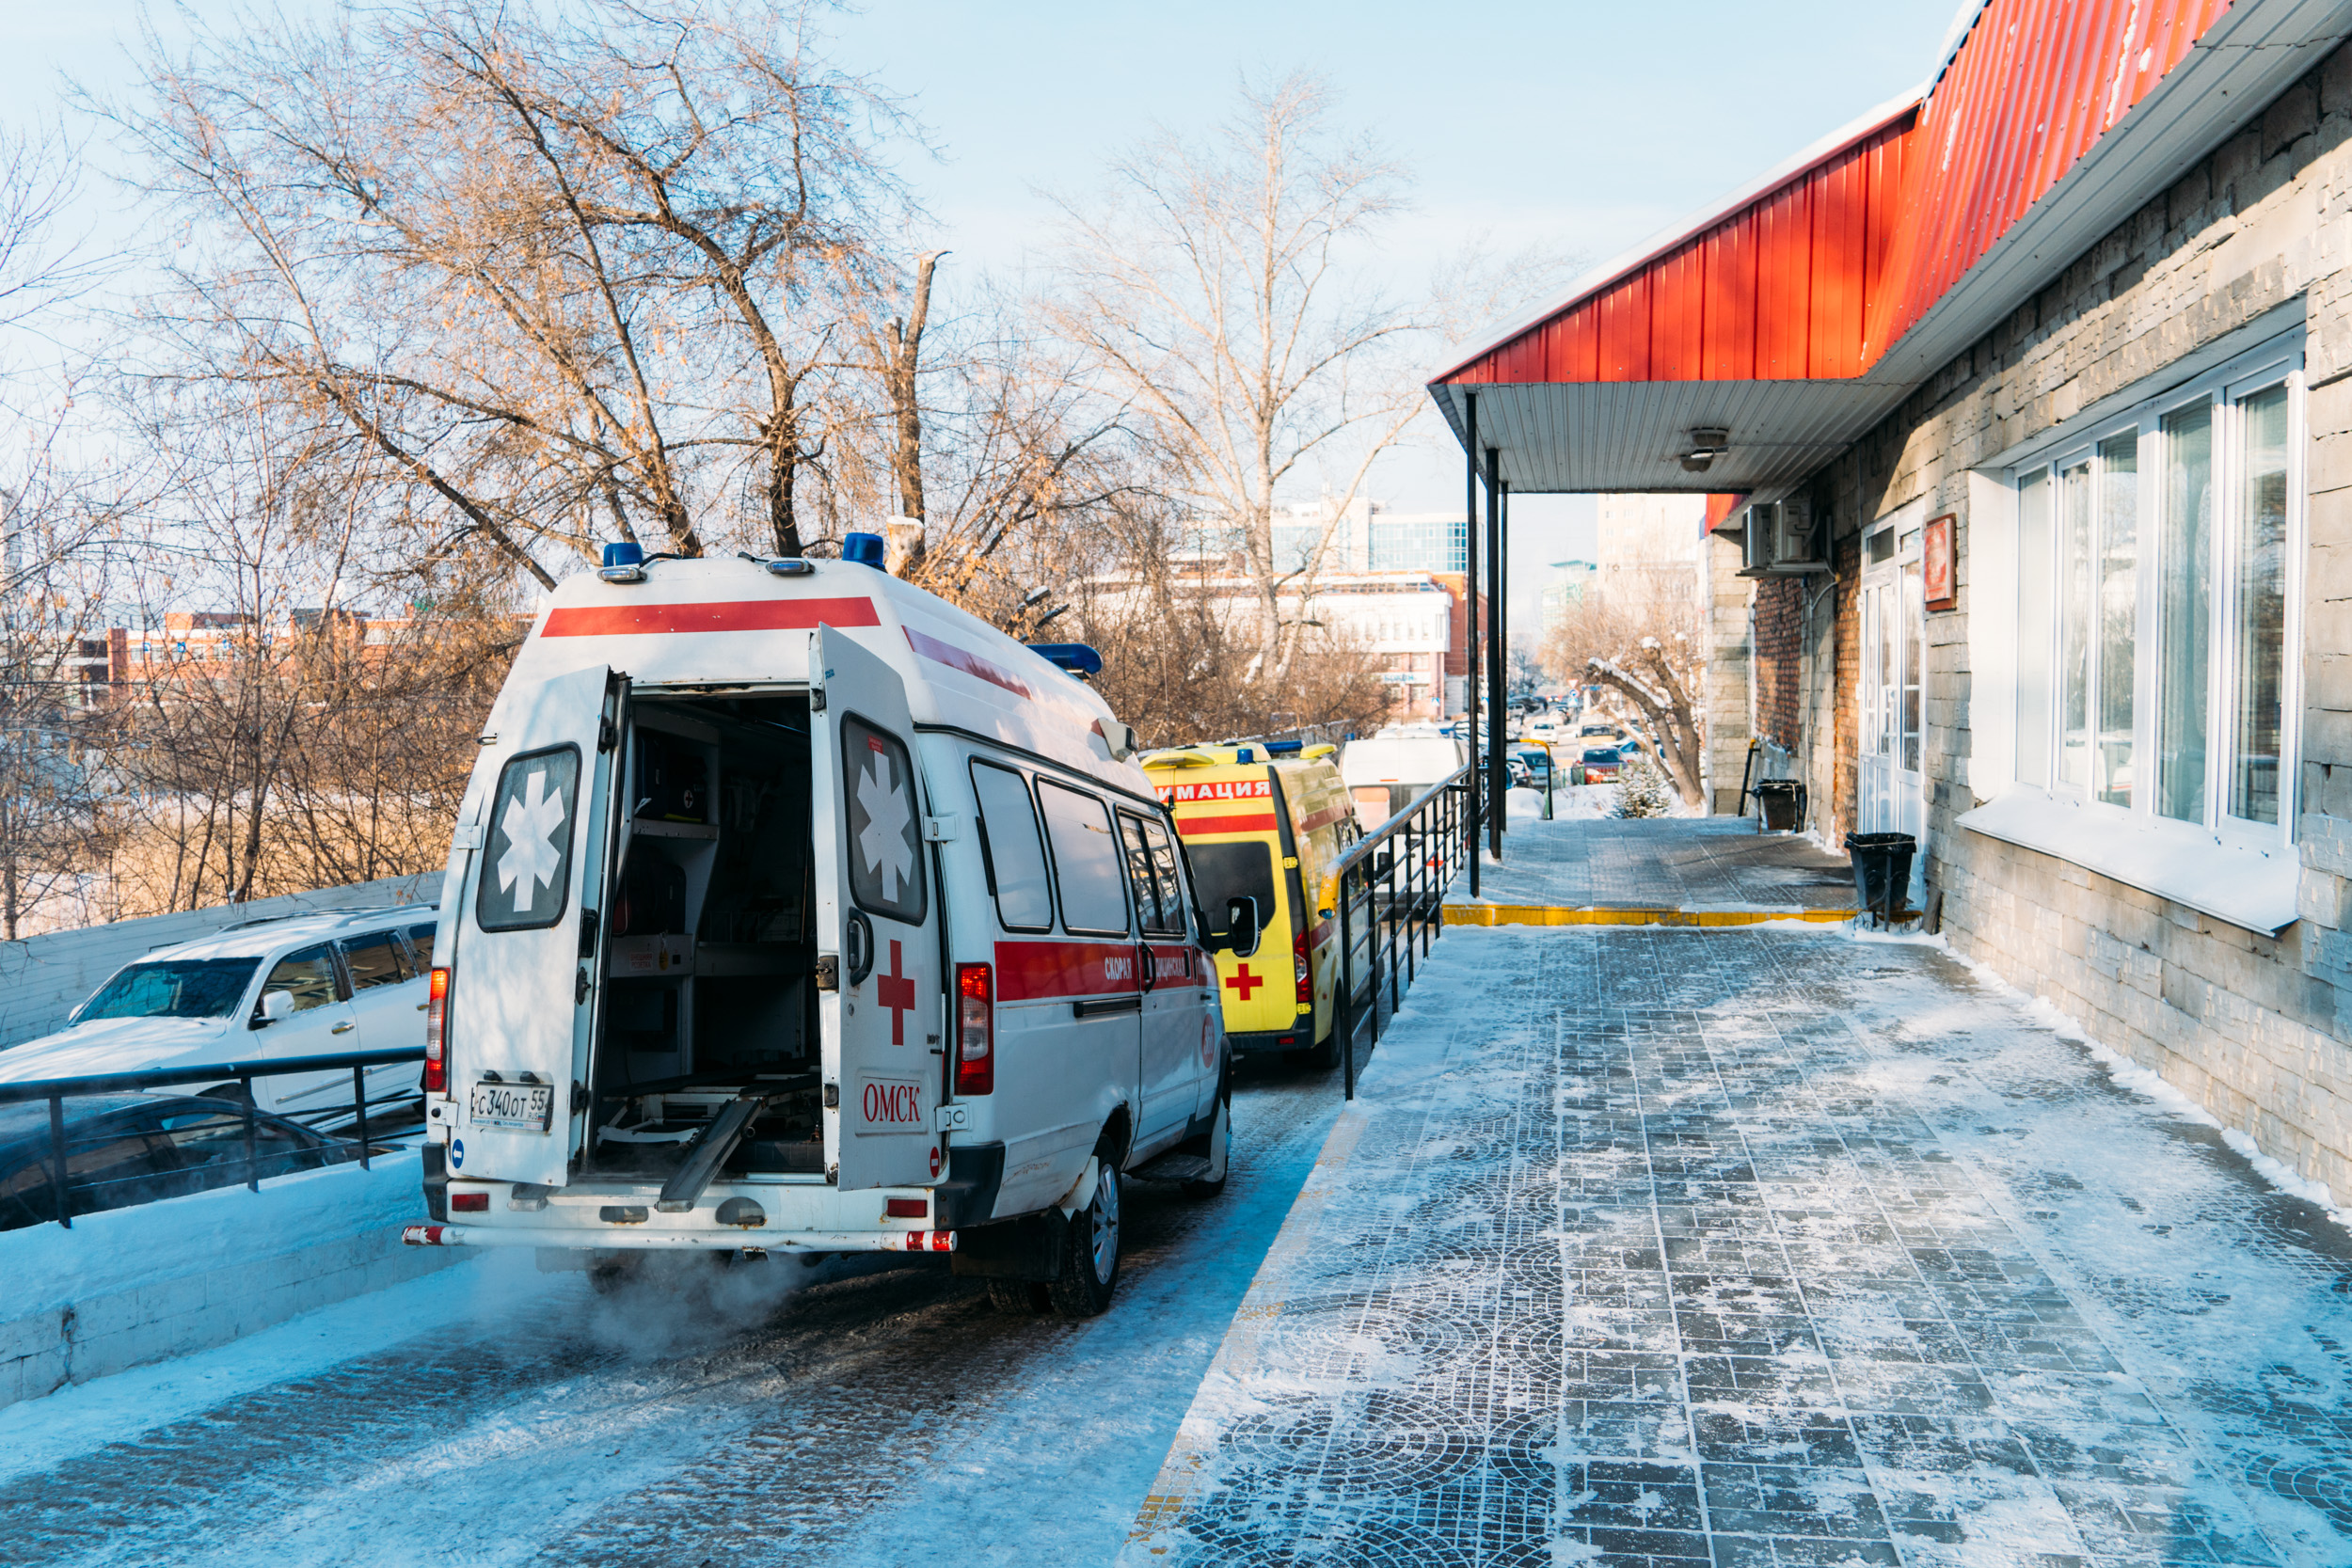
[{"x": 792, "y": 909}]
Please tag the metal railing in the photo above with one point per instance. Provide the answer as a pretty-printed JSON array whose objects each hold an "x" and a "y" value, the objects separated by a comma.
[
  {"x": 1387, "y": 894},
  {"x": 56, "y": 1091}
]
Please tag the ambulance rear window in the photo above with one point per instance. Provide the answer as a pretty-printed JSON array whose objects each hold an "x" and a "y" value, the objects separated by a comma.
[{"x": 1223, "y": 872}]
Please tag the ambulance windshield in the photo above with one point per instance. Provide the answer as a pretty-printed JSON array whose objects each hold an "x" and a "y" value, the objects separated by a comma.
[{"x": 1223, "y": 872}]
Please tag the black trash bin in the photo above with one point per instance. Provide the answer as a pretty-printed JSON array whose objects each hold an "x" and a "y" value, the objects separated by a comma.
[
  {"x": 1881, "y": 872},
  {"x": 1779, "y": 806}
]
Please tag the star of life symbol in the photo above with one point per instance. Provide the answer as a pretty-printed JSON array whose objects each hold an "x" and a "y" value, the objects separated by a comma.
[
  {"x": 532, "y": 855},
  {"x": 884, "y": 841}
]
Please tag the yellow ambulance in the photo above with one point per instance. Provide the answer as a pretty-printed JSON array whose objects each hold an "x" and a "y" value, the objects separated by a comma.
[{"x": 1266, "y": 821}]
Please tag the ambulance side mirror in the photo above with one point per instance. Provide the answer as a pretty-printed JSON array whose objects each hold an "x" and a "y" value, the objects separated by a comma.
[
  {"x": 1244, "y": 926},
  {"x": 276, "y": 1006}
]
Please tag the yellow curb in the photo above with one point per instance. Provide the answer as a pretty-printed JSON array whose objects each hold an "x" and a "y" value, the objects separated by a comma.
[{"x": 1556, "y": 914}]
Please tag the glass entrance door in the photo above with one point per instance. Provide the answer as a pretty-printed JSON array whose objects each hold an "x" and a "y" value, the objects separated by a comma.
[{"x": 1891, "y": 797}]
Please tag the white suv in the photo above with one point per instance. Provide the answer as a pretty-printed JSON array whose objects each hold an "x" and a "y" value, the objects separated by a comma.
[{"x": 306, "y": 984}]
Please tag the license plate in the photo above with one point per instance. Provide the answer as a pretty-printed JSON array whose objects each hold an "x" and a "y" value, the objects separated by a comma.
[{"x": 530, "y": 1105}]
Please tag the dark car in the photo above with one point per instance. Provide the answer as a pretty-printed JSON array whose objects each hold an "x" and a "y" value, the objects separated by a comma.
[
  {"x": 1601, "y": 764},
  {"x": 1537, "y": 760},
  {"x": 127, "y": 1149}
]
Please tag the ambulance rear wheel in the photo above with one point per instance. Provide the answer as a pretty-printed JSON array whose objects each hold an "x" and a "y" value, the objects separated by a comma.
[
  {"x": 1090, "y": 1270},
  {"x": 1019, "y": 1298},
  {"x": 1327, "y": 1054}
]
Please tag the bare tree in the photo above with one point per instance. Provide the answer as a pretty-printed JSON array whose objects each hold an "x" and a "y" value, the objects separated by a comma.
[
  {"x": 1219, "y": 289},
  {"x": 1642, "y": 636},
  {"x": 56, "y": 786},
  {"x": 1178, "y": 640},
  {"x": 60, "y": 522},
  {"x": 576, "y": 270},
  {"x": 282, "y": 737},
  {"x": 896, "y": 351}
]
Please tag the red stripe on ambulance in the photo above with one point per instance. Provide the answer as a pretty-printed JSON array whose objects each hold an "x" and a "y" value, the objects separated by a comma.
[
  {"x": 1036, "y": 971},
  {"x": 1255, "y": 822},
  {"x": 653, "y": 620},
  {"x": 969, "y": 662}
]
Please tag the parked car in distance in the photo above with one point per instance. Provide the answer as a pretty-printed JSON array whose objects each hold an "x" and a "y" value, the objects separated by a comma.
[
  {"x": 1601, "y": 765},
  {"x": 128, "y": 1148},
  {"x": 307, "y": 985},
  {"x": 1386, "y": 770},
  {"x": 1537, "y": 761}
]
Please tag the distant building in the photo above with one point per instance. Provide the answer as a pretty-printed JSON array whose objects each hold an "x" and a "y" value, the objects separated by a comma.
[
  {"x": 1647, "y": 547},
  {"x": 1571, "y": 583},
  {"x": 1412, "y": 624},
  {"x": 1362, "y": 536}
]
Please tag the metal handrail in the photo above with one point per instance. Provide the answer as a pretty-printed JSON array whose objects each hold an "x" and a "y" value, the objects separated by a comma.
[
  {"x": 1437, "y": 829},
  {"x": 58, "y": 1090}
]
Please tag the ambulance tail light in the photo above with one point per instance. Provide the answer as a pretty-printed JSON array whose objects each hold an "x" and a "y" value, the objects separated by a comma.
[
  {"x": 975, "y": 1030},
  {"x": 436, "y": 1035},
  {"x": 1306, "y": 982}
]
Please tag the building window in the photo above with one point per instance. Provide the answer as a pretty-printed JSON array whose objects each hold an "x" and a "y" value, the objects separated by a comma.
[{"x": 2152, "y": 605}]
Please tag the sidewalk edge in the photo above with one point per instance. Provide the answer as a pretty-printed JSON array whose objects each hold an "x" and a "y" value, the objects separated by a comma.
[{"x": 1183, "y": 1475}]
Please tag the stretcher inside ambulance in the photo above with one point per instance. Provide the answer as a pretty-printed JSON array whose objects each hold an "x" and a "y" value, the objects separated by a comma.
[{"x": 790, "y": 906}]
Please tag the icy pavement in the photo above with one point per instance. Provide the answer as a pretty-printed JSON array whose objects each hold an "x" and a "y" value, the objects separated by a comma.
[
  {"x": 1765, "y": 1247},
  {"x": 871, "y": 1413},
  {"x": 1659, "y": 862}
]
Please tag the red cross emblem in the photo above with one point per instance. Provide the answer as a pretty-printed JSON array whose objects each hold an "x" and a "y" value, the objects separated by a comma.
[
  {"x": 1242, "y": 981},
  {"x": 895, "y": 991}
]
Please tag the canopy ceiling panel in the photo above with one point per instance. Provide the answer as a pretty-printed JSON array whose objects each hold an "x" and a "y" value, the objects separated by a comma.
[{"x": 1566, "y": 436}]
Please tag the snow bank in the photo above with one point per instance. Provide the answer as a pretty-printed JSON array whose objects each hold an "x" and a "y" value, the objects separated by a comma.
[
  {"x": 2142, "y": 1081},
  {"x": 135, "y": 1285}
]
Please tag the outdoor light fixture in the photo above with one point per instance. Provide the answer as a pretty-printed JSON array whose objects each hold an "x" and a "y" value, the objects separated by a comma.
[{"x": 1708, "y": 443}]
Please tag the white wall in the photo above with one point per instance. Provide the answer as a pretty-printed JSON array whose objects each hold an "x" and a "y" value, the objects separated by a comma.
[{"x": 131, "y": 1286}]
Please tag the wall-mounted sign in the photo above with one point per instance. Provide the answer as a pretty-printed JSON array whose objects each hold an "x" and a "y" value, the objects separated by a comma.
[{"x": 1935, "y": 564}]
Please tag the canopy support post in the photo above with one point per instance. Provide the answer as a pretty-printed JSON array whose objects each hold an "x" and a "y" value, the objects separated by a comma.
[
  {"x": 1497, "y": 657},
  {"x": 1469, "y": 593}
]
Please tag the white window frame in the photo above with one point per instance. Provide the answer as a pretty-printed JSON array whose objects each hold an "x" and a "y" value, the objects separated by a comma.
[{"x": 2222, "y": 388}]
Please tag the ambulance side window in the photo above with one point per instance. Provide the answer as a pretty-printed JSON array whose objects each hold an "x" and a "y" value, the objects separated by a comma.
[
  {"x": 1009, "y": 846},
  {"x": 1085, "y": 860},
  {"x": 1172, "y": 895},
  {"x": 1158, "y": 908}
]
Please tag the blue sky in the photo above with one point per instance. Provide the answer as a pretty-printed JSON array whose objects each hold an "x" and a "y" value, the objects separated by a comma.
[{"x": 1576, "y": 127}]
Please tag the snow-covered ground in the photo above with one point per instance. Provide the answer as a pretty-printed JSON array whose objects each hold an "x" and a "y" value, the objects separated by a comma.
[
  {"x": 493, "y": 1413},
  {"x": 1768, "y": 1246}
]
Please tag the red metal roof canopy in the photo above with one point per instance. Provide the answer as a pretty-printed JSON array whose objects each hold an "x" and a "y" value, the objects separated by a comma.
[{"x": 1884, "y": 251}]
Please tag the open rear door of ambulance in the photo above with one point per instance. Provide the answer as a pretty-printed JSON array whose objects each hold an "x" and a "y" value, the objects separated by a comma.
[
  {"x": 521, "y": 978},
  {"x": 877, "y": 924}
]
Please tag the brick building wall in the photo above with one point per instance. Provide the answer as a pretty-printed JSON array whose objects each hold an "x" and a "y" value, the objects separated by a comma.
[
  {"x": 2249, "y": 1024},
  {"x": 1779, "y": 643}
]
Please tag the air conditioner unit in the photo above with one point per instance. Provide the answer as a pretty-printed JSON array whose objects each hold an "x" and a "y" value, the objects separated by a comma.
[{"x": 1780, "y": 539}]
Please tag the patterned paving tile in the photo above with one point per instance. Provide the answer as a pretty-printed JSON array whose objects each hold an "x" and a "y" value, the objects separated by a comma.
[{"x": 1767, "y": 1247}]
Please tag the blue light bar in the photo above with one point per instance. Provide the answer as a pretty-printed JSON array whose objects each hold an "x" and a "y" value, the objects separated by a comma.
[
  {"x": 1284, "y": 748},
  {"x": 1076, "y": 657},
  {"x": 864, "y": 548},
  {"x": 624, "y": 562}
]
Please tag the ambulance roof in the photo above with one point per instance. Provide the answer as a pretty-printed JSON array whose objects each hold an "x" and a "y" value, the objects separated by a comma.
[
  {"x": 1231, "y": 756},
  {"x": 720, "y": 623}
]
